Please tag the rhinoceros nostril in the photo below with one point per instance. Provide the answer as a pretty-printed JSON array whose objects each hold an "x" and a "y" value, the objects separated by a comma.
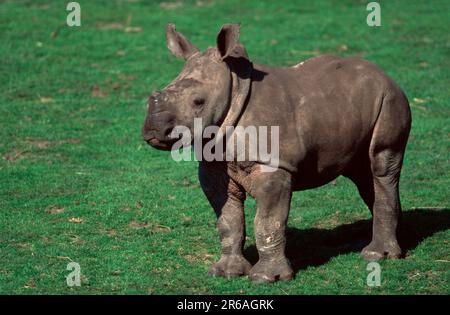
[{"x": 168, "y": 131}]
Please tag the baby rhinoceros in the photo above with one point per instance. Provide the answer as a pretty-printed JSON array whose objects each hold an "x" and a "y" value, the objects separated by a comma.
[{"x": 334, "y": 116}]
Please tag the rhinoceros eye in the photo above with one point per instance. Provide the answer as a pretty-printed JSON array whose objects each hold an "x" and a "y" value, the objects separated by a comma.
[{"x": 199, "y": 101}]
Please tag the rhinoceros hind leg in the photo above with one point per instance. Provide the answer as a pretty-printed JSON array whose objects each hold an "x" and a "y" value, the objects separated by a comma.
[
  {"x": 386, "y": 213},
  {"x": 386, "y": 150},
  {"x": 386, "y": 165},
  {"x": 378, "y": 248}
]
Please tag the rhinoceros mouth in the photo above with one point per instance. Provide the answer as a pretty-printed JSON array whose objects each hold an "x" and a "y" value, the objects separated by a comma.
[{"x": 165, "y": 145}]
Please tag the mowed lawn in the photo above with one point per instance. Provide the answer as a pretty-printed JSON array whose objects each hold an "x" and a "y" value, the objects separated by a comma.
[{"x": 78, "y": 184}]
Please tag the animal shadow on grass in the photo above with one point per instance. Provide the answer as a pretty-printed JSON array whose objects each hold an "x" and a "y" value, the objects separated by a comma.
[{"x": 314, "y": 247}]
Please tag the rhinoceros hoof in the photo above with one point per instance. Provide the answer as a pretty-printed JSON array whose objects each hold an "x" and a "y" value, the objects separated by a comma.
[
  {"x": 230, "y": 266},
  {"x": 374, "y": 251},
  {"x": 271, "y": 271}
]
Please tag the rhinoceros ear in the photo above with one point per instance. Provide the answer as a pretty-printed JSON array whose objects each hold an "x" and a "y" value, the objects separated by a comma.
[
  {"x": 228, "y": 43},
  {"x": 178, "y": 44}
]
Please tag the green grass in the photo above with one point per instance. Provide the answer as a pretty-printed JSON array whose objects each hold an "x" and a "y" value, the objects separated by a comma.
[{"x": 78, "y": 184}]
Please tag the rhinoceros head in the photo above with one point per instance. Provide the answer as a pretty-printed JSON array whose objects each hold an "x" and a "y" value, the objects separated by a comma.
[{"x": 205, "y": 88}]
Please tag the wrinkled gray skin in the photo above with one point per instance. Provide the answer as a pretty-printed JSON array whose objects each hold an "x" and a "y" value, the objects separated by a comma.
[{"x": 337, "y": 116}]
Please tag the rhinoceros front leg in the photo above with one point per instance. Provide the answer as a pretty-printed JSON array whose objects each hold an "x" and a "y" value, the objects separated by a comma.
[
  {"x": 272, "y": 191},
  {"x": 227, "y": 199}
]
